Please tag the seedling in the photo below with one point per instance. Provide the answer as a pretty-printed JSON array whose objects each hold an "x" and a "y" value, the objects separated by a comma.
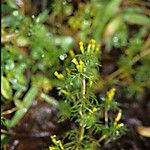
[{"x": 93, "y": 122}]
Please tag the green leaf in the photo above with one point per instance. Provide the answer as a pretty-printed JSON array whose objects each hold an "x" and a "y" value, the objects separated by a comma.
[
  {"x": 111, "y": 9},
  {"x": 137, "y": 19},
  {"x": 4, "y": 139},
  {"x": 42, "y": 17},
  {"x": 12, "y": 4},
  {"x": 6, "y": 8},
  {"x": 11, "y": 20},
  {"x": 133, "y": 9},
  {"x": 113, "y": 26},
  {"x": 49, "y": 99},
  {"x": 16, "y": 118},
  {"x": 27, "y": 101},
  {"x": 6, "y": 88},
  {"x": 18, "y": 103},
  {"x": 65, "y": 111}
]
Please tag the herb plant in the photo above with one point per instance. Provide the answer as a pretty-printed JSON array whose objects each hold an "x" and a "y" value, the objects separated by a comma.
[
  {"x": 90, "y": 116},
  {"x": 36, "y": 39}
]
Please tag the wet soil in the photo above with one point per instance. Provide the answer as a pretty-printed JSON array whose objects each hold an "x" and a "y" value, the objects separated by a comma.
[{"x": 34, "y": 130}]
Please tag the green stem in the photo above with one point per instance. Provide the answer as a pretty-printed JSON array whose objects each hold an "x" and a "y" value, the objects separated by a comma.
[
  {"x": 82, "y": 130},
  {"x": 106, "y": 117},
  {"x": 102, "y": 138},
  {"x": 83, "y": 88},
  {"x": 81, "y": 136},
  {"x": 81, "y": 133}
]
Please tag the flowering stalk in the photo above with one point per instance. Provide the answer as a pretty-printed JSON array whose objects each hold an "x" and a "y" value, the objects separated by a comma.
[
  {"x": 110, "y": 96},
  {"x": 82, "y": 106}
]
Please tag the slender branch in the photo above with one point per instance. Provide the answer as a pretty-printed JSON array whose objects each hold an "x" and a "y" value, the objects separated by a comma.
[
  {"x": 146, "y": 43},
  {"x": 106, "y": 117},
  {"x": 83, "y": 88},
  {"x": 9, "y": 111},
  {"x": 81, "y": 134},
  {"x": 141, "y": 55},
  {"x": 7, "y": 132},
  {"x": 113, "y": 75},
  {"x": 102, "y": 138},
  {"x": 83, "y": 92},
  {"x": 82, "y": 130},
  {"x": 5, "y": 147},
  {"x": 139, "y": 2},
  {"x": 83, "y": 96}
]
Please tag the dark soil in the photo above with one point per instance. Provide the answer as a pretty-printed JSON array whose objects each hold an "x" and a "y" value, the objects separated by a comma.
[{"x": 34, "y": 130}]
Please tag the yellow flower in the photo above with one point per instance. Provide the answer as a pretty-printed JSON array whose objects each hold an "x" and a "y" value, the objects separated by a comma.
[
  {"x": 80, "y": 66},
  {"x": 118, "y": 117},
  {"x": 71, "y": 53},
  {"x": 89, "y": 48},
  {"x": 52, "y": 148},
  {"x": 120, "y": 125},
  {"x": 111, "y": 93},
  {"x": 57, "y": 143},
  {"x": 60, "y": 145},
  {"x": 59, "y": 75},
  {"x": 81, "y": 47},
  {"x": 92, "y": 41},
  {"x": 94, "y": 109},
  {"x": 53, "y": 137},
  {"x": 75, "y": 61},
  {"x": 81, "y": 63},
  {"x": 64, "y": 92}
]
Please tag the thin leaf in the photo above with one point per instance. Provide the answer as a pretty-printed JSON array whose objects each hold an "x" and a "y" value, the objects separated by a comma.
[
  {"x": 6, "y": 88},
  {"x": 11, "y": 4},
  {"x": 137, "y": 19},
  {"x": 110, "y": 11},
  {"x": 49, "y": 99},
  {"x": 27, "y": 101},
  {"x": 11, "y": 21},
  {"x": 42, "y": 17},
  {"x": 16, "y": 118},
  {"x": 113, "y": 26},
  {"x": 18, "y": 103}
]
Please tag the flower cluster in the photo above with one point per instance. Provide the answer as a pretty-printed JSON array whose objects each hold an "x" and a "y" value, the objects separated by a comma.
[
  {"x": 57, "y": 144},
  {"x": 80, "y": 104}
]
